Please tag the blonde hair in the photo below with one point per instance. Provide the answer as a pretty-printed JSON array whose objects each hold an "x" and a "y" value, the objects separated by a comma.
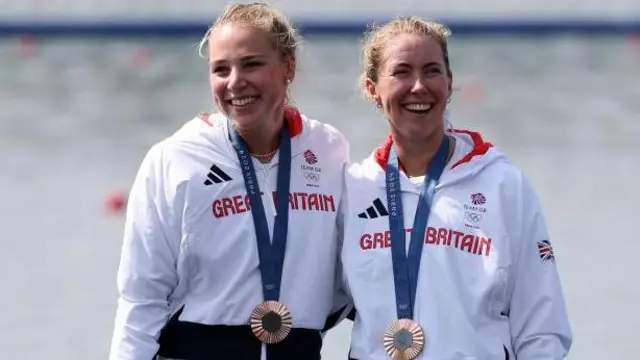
[
  {"x": 378, "y": 37},
  {"x": 260, "y": 16}
]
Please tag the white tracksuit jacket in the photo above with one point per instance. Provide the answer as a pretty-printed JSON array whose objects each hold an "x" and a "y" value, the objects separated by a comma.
[
  {"x": 189, "y": 237},
  {"x": 488, "y": 284}
]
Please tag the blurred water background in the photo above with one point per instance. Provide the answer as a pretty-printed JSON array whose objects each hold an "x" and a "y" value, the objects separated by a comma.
[{"x": 77, "y": 115}]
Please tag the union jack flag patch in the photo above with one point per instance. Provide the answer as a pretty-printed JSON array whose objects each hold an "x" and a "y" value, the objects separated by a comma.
[{"x": 545, "y": 250}]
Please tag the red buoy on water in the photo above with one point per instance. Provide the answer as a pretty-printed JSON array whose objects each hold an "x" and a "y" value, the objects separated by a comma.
[
  {"x": 116, "y": 202},
  {"x": 140, "y": 57},
  {"x": 26, "y": 46},
  {"x": 634, "y": 44}
]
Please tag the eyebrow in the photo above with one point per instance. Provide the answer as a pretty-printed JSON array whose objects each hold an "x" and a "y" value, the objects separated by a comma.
[
  {"x": 403, "y": 64},
  {"x": 243, "y": 59}
]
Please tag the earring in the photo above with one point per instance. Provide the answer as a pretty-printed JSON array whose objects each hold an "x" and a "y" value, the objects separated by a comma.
[
  {"x": 379, "y": 106},
  {"x": 288, "y": 81}
]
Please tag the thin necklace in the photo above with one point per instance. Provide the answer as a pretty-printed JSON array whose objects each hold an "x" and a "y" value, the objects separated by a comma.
[
  {"x": 267, "y": 156},
  {"x": 263, "y": 156}
]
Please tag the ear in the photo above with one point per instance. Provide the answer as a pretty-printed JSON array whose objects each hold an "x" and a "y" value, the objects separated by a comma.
[
  {"x": 290, "y": 68},
  {"x": 370, "y": 86},
  {"x": 450, "y": 87}
]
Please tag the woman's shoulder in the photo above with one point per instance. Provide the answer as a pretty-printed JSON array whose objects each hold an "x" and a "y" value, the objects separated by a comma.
[
  {"x": 365, "y": 170},
  {"x": 195, "y": 137},
  {"x": 479, "y": 160},
  {"x": 325, "y": 138}
]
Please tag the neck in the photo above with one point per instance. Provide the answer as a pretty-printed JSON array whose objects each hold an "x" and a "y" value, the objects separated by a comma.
[
  {"x": 263, "y": 140},
  {"x": 416, "y": 155}
]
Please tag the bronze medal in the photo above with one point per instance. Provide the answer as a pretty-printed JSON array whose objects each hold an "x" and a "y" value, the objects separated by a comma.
[
  {"x": 404, "y": 340},
  {"x": 270, "y": 322}
]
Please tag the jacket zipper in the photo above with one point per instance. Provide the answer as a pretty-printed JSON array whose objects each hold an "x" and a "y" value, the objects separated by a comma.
[{"x": 267, "y": 189}]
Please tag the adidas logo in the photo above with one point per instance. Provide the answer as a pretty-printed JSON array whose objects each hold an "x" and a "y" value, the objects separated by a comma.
[
  {"x": 374, "y": 211},
  {"x": 217, "y": 176}
]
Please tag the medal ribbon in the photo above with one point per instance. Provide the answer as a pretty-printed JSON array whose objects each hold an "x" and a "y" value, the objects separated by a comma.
[
  {"x": 406, "y": 267},
  {"x": 271, "y": 254}
]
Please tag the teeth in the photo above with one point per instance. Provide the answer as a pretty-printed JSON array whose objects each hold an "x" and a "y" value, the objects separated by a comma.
[
  {"x": 243, "y": 101},
  {"x": 418, "y": 107}
]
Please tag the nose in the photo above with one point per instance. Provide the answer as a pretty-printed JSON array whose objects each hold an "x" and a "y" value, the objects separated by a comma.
[
  {"x": 419, "y": 85},
  {"x": 236, "y": 79}
]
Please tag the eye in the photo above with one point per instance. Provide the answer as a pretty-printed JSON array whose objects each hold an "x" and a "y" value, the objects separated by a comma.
[
  {"x": 434, "y": 70},
  {"x": 220, "y": 70},
  {"x": 254, "y": 63},
  {"x": 400, "y": 72}
]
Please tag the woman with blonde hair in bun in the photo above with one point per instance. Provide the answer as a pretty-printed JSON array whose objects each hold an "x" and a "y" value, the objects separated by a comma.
[
  {"x": 231, "y": 238},
  {"x": 446, "y": 253}
]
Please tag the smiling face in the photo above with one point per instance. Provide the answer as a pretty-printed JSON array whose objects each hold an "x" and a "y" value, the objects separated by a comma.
[
  {"x": 413, "y": 85},
  {"x": 249, "y": 76}
]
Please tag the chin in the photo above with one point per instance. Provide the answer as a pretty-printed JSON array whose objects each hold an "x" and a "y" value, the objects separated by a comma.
[
  {"x": 421, "y": 130},
  {"x": 245, "y": 119}
]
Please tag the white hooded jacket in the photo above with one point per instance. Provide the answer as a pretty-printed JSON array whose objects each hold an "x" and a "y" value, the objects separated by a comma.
[
  {"x": 488, "y": 285},
  {"x": 189, "y": 237}
]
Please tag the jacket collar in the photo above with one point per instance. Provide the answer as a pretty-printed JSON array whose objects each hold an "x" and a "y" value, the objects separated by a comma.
[
  {"x": 291, "y": 115},
  {"x": 381, "y": 157}
]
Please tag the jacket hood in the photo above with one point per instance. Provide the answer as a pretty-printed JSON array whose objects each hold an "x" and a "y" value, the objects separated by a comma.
[
  {"x": 480, "y": 155},
  {"x": 210, "y": 131}
]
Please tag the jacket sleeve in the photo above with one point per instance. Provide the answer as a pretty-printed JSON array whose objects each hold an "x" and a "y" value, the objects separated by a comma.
[
  {"x": 147, "y": 272},
  {"x": 342, "y": 305},
  {"x": 539, "y": 323}
]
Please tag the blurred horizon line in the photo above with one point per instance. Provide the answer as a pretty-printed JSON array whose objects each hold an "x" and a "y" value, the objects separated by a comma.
[{"x": 355, "y": 26}]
